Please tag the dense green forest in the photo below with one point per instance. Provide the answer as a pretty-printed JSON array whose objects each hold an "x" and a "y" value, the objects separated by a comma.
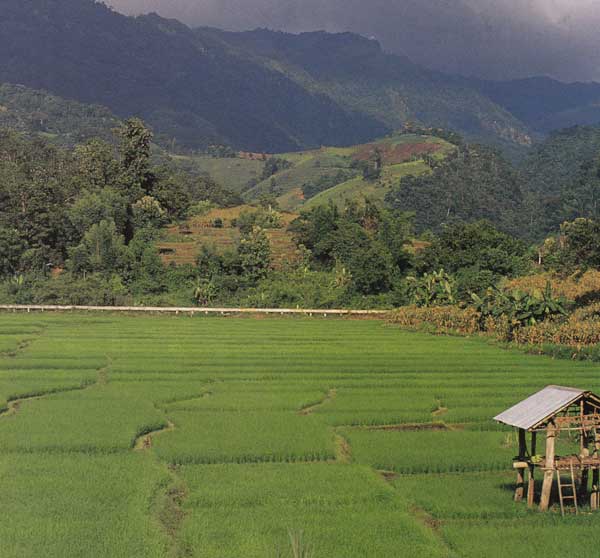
[
  {"x": 262, "y": 90},
  {"x": 84, "y": 224},
  {"x": 38, "y": 113}
]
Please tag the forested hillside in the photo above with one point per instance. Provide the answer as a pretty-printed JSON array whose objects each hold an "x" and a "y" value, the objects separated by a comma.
[
  {"x": 256, "y": 91},
  {"x": 355, "y": 72},
  {"x": 185, "y": 87},
  {"x": 561, "y": 177},
  {"x": 544, "y": 104},
  {"x": 414, "y": 214},
  {"x": 39, "y": 113}
]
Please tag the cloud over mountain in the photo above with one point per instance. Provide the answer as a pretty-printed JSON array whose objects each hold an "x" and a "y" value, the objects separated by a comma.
[{"x": 488, "y": 38}]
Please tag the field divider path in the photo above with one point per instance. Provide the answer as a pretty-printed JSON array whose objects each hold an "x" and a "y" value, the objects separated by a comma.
[
  {"x": 310, "y": 409},
  {"x": 13, "y": 405},
  {"x": 168, "y": 502},
  {"x": 343, "y": 449},
  {"x": 21, "y": 346},
  {"x": 144, "y": 441},
  {"x": 421, "y": 516}
]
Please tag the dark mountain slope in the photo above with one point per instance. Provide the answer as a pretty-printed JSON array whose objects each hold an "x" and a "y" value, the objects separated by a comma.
[
  {"x": 355, "y": 72},
  {"x": 159, "y": 70},
  {"x": 261, "y": 90},
  {"x": 545, "y": 104}
]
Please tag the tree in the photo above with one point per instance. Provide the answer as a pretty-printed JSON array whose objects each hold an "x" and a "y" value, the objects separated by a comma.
[
  {"x": 578, "y": 246},
  {"x": 36, "y": 185},
  {"x": 472, "y": 183},
  {"x": 136, "y": 178},
  {"x": 255, "y": 255},
  {"x": 102, "y": 250},
  {"x": 273, "y": 165},
  {"x": 172, "y": 193},
  {"x": 96, "y": 165},
  {"x": 11, "y": 249},
  {"x": 145, "y": 272},
  {"x": 148, "y": 214},
  {"x": 475, "y": 245},
  {"x": 92, "y": 207},
  {"x": 373, "y": 168},
  {"x": 582, "y": 198}
]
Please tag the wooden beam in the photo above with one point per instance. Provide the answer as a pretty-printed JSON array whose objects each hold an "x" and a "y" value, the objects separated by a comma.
[{"x": 549, "y": 469}]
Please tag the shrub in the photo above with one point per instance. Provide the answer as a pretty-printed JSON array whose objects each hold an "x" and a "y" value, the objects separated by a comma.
[
  {"x": 442, "y": 319},
  {"x": 519, "y": 308},
  {"x": 432, "y": 289},
  {"x": 581, "y": 288},
  {"x": 573, "y": 333}
]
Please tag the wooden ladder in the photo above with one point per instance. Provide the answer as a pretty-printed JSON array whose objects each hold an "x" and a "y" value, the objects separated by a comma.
[{"x": 570, "y": 485}]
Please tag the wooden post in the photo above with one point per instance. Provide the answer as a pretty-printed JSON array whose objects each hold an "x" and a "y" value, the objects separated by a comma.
[
  {"x": 530, "y": 476},
  {"x": 583, "y": 453},
  {"x": 520, "y": 488},
  {"x": 549, "y": 468},
  {"x": 595, "y": 496}
]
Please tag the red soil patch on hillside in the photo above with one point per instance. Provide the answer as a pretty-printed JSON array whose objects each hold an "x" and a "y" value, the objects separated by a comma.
[{"x": 396, "y": 154}]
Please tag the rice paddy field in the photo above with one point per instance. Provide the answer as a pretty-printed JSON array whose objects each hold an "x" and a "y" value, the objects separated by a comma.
[{"x": 167, "y": 437}]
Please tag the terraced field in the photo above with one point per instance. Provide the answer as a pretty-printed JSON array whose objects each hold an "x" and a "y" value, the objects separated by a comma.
[
  {"x": 168, "y": 437},
  {"x": 183, "y": 242}
]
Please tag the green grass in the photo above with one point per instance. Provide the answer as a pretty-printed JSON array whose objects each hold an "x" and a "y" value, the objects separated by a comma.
[
  {"x": 358, "y": 188},
  {"x": 267, "y": 426},
  {"x": 234, "y": 437},
  {"x": 309, "y": 166},
  {"x": 232, "y": 173},
  {"x": 431, "y": 451},
  {"x": 342, "y": 510},
  {"x": 78, "y": 505}
]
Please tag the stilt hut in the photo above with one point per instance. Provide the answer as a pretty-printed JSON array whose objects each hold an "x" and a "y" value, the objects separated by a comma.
[{"x": 553, "y": 411}]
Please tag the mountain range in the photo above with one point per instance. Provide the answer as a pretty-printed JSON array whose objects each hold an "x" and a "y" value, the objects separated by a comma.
[{"x": 264, "y": 91}]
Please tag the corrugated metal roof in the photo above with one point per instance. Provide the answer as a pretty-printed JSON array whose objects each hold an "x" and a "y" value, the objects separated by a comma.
[{"x": 541, "y": 405}]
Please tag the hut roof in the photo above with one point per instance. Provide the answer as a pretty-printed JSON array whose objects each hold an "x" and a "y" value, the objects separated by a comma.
[{"x": 540, "y": 406}]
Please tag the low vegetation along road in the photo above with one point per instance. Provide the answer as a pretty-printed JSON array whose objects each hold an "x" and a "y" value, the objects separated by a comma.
[{"x": 164, "y": 436}]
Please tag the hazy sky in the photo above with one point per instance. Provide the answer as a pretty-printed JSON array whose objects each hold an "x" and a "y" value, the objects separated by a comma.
[{"x": 490, "y": 38}]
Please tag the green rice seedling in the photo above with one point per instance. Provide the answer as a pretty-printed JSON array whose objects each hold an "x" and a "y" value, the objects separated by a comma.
[
  {"x": 80, "y": 505},
  {"x": 236, "y": 437},
  {"x": 95, "y": 420},
  {"x": 250, "y": 397},
  {"x": 343, "y": 511},
  {"x": 540, "y": 535},
  {"x": 483, "y": 496},
  {"x": 429, "y": 451},
  {"x": 233, "y": 390},
  {"x": 300, "y": 548}
]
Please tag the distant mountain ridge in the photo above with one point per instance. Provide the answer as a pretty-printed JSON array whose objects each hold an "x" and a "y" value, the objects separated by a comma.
[{"x": 261, "y": 90}]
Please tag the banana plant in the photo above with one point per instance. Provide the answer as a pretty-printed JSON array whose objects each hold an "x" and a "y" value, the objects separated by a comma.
[
  {"x": 432, "y": 289},
  {"x": 520, "y": 308}
]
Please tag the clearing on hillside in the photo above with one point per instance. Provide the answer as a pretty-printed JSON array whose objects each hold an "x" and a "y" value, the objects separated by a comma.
[{"x": 181, "y": 243}]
